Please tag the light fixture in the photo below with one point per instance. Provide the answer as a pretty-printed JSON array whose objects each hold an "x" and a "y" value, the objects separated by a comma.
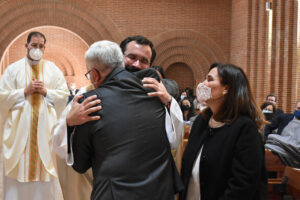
[{"x": 268, "y": 6}]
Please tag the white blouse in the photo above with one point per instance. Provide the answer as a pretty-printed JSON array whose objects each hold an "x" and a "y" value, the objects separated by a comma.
[{"x": 193, "y": 192}]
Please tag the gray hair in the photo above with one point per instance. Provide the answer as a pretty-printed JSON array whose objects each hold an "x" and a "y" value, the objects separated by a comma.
[{"x": 105, "y": 54}]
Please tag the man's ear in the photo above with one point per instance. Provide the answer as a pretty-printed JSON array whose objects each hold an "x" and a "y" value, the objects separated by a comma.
[
  {"x": 98, "y": 76},
  {"x": 26, "y": 45}
]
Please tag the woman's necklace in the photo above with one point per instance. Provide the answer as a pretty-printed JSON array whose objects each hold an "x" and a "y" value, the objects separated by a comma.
[{"x": 214, "y": 124}]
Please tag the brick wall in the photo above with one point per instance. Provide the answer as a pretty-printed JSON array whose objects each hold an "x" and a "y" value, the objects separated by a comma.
[
  {"x": 195, "y": 33},
  {"x": 279, "y": 73},
  {"x": 63, "y": 47}
]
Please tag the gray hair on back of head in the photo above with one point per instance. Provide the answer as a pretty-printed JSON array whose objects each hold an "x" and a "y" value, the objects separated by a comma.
[{"x": 105, "y": 54}]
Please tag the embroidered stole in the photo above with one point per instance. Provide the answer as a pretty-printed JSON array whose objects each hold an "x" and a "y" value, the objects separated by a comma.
[{"x": 35, "y": 107}]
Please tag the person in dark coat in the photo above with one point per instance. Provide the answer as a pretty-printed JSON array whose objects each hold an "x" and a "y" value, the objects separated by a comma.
[
  {"x": 278, "y": 123},
  {"x": 224, "y": 157},
  {"x": 273, "y": 99},
  {"x": 128, "y": 148}
]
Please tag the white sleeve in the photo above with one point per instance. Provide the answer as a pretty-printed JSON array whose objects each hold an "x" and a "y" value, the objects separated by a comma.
[
  {"x": 21, "y": 100},
  {"x": 60, "y": 135},
  {"x": 174, "y": 124}
]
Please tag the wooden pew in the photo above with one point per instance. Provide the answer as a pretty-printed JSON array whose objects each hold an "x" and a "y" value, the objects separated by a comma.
[
  {"x": 186, "y": 136},
  {"x": 274, "y": 164},
  {"x": 293, "y": 183}
]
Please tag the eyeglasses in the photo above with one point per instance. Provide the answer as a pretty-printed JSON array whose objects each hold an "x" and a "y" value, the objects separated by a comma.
[
  {"x": 87, "y": 75},
  {"x": 134, "y": 57}
]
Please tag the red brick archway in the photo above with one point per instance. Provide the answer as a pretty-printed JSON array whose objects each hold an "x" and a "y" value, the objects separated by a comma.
[
  {"x": 194, "y": 49},
  {"x": 89, "y": 23},
  {"x": 63, "y": 47},
  {"x": 182, "y": 74}
]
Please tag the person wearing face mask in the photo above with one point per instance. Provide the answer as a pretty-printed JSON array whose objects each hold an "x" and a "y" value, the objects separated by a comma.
[
  {"x": 224, "y": 157},
  {"x": 286, "y": 141},
  {"x": 183, "y": 95},
  {"x": 268, "y": 110},
  {"x": 33, "y": 93},
  {"x": 186, "y": 109},
  {"x": 281, "y": 121}
]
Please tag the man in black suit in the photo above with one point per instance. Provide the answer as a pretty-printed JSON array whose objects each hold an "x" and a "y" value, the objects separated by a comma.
[{"x": 127, "y": 149}]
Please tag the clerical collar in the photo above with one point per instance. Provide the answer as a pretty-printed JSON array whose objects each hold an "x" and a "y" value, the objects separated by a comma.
[{"x": 33, "y": 62}]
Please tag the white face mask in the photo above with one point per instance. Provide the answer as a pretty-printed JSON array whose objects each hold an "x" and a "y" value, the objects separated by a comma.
[
  {"x": 266, "y": 111},
  {"x": 36, "y": 54},
  {"x": 203, "y": 93}
]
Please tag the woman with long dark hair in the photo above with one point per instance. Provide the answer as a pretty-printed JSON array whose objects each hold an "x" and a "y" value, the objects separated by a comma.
[{"x": 224, "y": 157}]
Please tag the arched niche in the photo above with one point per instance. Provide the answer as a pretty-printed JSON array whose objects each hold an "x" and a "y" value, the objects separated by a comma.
[
  {"x": 63, "y": 47},
  {"x": 196, "y": 50},
  {"x": 182, "y": 74}
]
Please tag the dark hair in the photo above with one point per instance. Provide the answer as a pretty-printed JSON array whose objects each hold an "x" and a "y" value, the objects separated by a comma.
[
  {"x": 239, "y": 99},
  {"x": 266, "y": 104},
  {"x": 140, "y": 40},
  {"x": 272, "y": 95},
  {"x": 36, "y": 34},
  {"x": 189, "y": 92},
  {"x": 161, "y": 70}
]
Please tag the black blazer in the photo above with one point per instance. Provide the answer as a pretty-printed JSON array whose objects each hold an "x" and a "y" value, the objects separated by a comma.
[
  {"x": 232, "y": 164},
  {"x": 127, "y": 148},
  {"x": 278, "y": 122}
]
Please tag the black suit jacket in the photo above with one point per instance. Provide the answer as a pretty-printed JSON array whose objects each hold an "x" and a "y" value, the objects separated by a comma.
[
  {"x": 232, "y": 164},
  {"x": 127, "y": 148},
  {"x": 278, "y": 122}
]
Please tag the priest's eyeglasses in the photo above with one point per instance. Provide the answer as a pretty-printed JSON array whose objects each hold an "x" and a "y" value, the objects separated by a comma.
[{"x": 87, "y": 75}]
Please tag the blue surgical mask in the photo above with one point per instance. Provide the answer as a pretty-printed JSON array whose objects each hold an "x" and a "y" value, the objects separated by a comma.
[
  {"x": 266, "y": 111},
  {"x": 297, "y": 114}
]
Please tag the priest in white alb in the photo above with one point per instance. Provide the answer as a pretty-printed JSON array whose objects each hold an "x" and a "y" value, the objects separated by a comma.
[{"x": 33, "y": 93}]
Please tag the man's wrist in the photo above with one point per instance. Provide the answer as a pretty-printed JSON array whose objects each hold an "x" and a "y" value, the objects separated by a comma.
[
  {"x": 44, "y": 92},
  {"x": 168, "y": 104},
  {"x": 68, "y": 122},
  {"x": 26, "y": 92}
]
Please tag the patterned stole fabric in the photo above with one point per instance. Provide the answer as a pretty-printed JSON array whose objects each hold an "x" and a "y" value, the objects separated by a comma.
[{"x": 35, "y": 105}]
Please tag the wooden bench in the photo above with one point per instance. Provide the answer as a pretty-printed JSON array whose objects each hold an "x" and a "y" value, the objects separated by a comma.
[
  {"x": 274, "y": 165},
  {"x": 186, "y": 136},
  {"x": 293, "y": 182}
]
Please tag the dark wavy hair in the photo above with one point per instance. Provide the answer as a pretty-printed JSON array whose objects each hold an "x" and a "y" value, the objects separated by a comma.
[
  {"x": 160, "y": 69},
  {"x": 140, "y": 40},
  {"x": 266, "y": 104},
  {"x": 239, "y": 99}
]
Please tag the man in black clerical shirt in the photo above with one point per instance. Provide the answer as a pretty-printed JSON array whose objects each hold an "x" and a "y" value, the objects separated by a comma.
[{"x": 127, "y": 149}]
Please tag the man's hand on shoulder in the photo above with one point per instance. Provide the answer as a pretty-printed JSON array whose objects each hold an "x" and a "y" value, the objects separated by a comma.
[
  {"x": 160, "y": 90},
  {"x": 79, "y": 113}
]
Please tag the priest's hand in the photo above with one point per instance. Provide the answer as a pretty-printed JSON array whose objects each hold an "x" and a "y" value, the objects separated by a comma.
[
  {"x": 35, "y": 86},
  {"x": 160, "y": 90},
  {"x": 40, "y": 88},
  {"x": 79, "y": 113}
]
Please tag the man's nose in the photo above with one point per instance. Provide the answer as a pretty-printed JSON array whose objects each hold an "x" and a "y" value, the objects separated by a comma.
[{"x": 137, "y": 64}]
